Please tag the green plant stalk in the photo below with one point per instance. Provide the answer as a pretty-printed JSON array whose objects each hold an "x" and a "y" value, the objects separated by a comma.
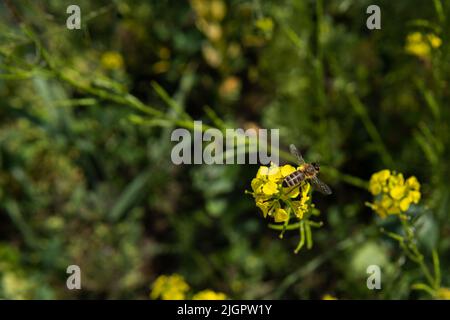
[
  {"x": 135, "y": 103},
  {"x": 371, "y": 129},
  {"x": 415, "y": 255},
  {"x": 301, "y": 243}
]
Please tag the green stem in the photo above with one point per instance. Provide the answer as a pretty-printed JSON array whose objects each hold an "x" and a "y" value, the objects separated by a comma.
[
  {"x": 437, "y": 269},
  {"x": 293, "y": 226},
  {"x": 301, "y": 243},
  {"x": 371, "y": 129},
  {"x": 417, "y": 256}
]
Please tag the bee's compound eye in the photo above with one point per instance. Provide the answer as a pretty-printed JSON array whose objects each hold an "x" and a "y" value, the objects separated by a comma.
[{"x": 316, "y": 166}]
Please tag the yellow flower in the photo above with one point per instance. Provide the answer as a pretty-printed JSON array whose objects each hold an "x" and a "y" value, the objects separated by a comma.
[
  {"x": 375, "y": 188},
  {"x": 382, "y": 176},
  {"x": 264, "y": 206},
  {"x": 209, "y": 295},
  {"x": 413, "y": 183},
  {"x": 257, "y": 185},
  {"x": 443, "y": 293},
  {"x": 300, "y": 208},
  {"x": 273, "y": 199},
  {"x": 395, "y": 180},
  {"x": 284, "y": 203},
  {"x": 420, "y": 45},
  {"x": 414, "y": 196},
  {"x": 292, "y": 193},
  {"x": 287, "y": 170},
  {"x": 386, "y": 201},
  {"x": 230, "y": 88},
  {"x": 15, "y": 287},
  {"x": 265, "y": 24},
  {"x": 393, "y": 194},
  {"x": 270, "y": 188},
  {"x": 262, "y": 172},
  {"x": 397, "y": 192},
  {"x": 112, "y": 60},
  {"x": 404, "y": 204},
  {"x": 171, "y": 287},
  {"x": 377, "y": 180},
  {"x": 274, "y": 173},
  {"x": 217, "y": 9},
  {"x": 328, "y": 297},
  {"x": 280, "y": 215},
  {"x": 161, "y": 66}
]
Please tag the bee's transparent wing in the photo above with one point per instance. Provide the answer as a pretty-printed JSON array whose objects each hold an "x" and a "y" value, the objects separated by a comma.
[
  {"x": 297, "y": 154},
  {"x": 320, "y": 186}
]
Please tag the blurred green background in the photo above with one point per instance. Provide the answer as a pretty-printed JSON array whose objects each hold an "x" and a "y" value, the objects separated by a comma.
[{"x": 85, "y": 123}]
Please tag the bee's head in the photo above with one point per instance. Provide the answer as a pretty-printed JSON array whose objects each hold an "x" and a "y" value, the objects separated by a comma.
[{"x": 316, "y": 166}]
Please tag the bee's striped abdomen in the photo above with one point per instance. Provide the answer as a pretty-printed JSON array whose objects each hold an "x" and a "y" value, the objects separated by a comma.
[{"x": 294, "y": 179}]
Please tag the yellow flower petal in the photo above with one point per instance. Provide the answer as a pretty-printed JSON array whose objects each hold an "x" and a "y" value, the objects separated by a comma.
[
  {"x": 413, "y": 183},
  {"x": 209, "y": 295},
  {"x": 111, "y": 60},
  {"x": 383, "y": 175},
  {"x": 270, "y": 188},
  {"x": 434, "y": 40},
  {"x": 420, "y": 45},
  {"x": 375, "y": 188},
  {"x": 257, "y": 184},
  {"x": 264, "y": 206},
  {"x": 300, "y": 208},
  {"x": 171, "y": 287},
  {"x": 280, "y": 215},
  {"x": 262, "y": 172},
  {"x": 404, "y": 204},
  {"x": 274, "y": 174},
  {"x": 287, "y": 170},
  {"x": 398, "y": 192},
  {"x": 292, "y": 192},
  {"x": 414, "y": 196},
  {"x": 443, "y": 293},
  {"x": 305, "y": 190}
]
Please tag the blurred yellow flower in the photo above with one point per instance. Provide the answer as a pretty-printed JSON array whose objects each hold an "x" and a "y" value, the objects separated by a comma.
[
  {"x": 328, "y": 297},
  {"x": 209, "y": 295},
  {"x": 171, "y": 287},
  {"x": 164, "y": 53},
  {"x": 212, "y": 56},
  {"x": 230, "y": 87},
  {"x": 161, "y": 66},
  {"x": 420, "y": 45},
  {"x": 264, "y": 24},
  {"x": 393, "y": 194},
  {"x": 14, "y": 286},
  {"x": 209, "y": 9},
  {"x": 217, "y": 9},
  {"x": 443, "y": 293},
  {"x": 111, "y": 60}
]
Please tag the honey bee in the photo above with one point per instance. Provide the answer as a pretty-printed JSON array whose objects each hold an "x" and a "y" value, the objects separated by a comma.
[{"x": 307, "y": 171}]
